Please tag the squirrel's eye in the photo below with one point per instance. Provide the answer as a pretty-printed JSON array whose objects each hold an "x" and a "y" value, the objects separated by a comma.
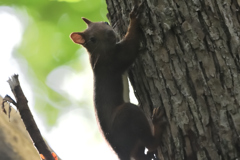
[
  {"x": 106, "y": 23},
  {"x": 92, "y": 39}
]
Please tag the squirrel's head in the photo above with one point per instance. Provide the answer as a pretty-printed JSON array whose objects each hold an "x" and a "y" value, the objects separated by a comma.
[{"x": 99, "y": 36}]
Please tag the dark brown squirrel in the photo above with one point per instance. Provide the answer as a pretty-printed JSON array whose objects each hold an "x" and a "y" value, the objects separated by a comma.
[{"x": 124, "y": 125}]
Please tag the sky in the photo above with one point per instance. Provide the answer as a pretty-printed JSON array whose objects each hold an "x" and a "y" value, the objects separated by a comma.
[{"x": 81, "y": 140}]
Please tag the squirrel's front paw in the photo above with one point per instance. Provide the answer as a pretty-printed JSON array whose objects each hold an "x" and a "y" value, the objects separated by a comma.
[{"x": 137, "y": 9}]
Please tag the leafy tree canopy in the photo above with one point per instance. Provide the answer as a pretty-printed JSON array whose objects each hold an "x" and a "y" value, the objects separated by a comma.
[{"x": 46, "y": 45}]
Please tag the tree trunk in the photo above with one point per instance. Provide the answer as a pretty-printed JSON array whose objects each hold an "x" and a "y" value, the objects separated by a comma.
[{"x": 190, "y": 67}]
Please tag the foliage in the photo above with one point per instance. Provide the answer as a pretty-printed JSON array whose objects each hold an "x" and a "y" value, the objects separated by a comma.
[{"x": 46, "y": 45}]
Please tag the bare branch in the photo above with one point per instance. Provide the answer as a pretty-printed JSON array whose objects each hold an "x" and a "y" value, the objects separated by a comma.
[{"x": 27, "y": 117}]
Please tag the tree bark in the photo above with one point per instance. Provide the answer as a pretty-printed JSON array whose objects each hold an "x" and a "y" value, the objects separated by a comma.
[
  {"x": 189, "y": 66},
  {"x": 15, "y": 143}
]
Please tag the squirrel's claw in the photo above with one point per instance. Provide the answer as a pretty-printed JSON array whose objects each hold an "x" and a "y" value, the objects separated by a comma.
[{"x": 137, "y": 9}]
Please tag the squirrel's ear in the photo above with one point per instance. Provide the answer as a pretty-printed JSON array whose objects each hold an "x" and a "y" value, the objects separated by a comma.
[
  {"x": 77, "y": 37},
  {"x": 86, "y": 20}
]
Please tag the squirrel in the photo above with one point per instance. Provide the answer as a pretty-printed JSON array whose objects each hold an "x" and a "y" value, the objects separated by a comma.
[{"x": 124, "y": 125}]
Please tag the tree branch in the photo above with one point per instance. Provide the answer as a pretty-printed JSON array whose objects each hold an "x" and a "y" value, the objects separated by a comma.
[{"x": 27, "y": 117}]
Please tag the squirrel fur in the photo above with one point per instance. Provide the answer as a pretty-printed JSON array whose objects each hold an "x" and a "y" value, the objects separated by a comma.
[{"x": 124, "y": 125}]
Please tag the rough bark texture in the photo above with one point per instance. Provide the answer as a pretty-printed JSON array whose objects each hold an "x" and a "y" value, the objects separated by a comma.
[{"x": 190, "y": 67}]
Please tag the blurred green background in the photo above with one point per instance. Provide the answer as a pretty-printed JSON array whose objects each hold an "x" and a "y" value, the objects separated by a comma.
[
  {"x": 46, "y": 47},
  {"x": 54, "y": 72}
]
